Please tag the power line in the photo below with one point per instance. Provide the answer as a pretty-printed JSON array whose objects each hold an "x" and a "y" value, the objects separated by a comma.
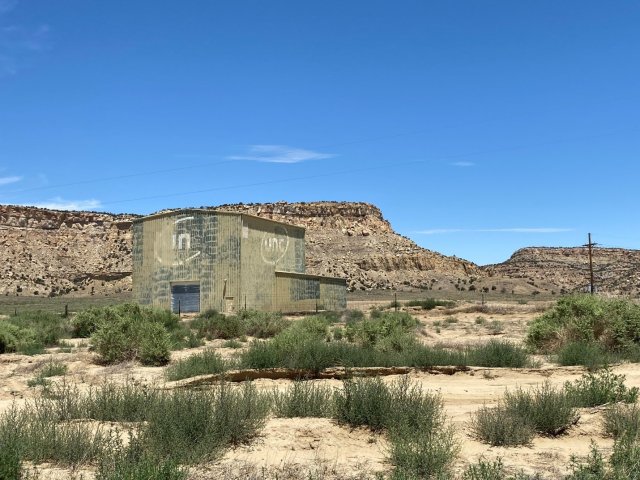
[{"x": 372, "y": 139}]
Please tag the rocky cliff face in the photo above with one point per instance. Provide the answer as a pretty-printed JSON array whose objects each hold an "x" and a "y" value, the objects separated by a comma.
[
  {"x": 354, "y": 241},
  {"x": 45, "y": 252},
  {"x": 616, "y": 270}
]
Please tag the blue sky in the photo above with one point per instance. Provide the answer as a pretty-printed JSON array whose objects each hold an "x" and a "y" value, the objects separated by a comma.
[{"x": 478, "y": 127}]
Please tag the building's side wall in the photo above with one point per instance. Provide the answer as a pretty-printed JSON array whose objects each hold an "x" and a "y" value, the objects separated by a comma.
[
  {"x": 333, "y": 293},
  {"x": 303, "y": 293},
  {"x": 267, "y": 247},
  {"x": 187, "y": 247}
]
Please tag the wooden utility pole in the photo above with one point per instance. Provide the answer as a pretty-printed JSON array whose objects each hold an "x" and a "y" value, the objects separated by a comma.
[{"x": 590, "y": 245}]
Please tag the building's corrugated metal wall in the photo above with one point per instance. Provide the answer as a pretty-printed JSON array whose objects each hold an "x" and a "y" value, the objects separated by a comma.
[
  {"x": 187, "y": 246},
  {"x": 297, "y": 292},
  {"x": 232, "y": 258},
  {"x": 266, "y": 247}
]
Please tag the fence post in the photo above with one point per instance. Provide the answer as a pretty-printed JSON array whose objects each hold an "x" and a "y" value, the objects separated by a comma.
[
  {"x": 245, "y": 302},
  {"x": 316, "y": 305},
  {"x": 66, "y": 310},
  {"x": 15, "y": 312},
  {"x": 395, "y": 301},
  {"x": 179, "y": 310}
]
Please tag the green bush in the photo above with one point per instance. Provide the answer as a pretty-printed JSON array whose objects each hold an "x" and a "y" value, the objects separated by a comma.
[
  {"x": 429, "y": 303},
  {"x": 520, "y": 413},
  {"x": 614, "y": 325},
  {"x": 498, "y": 353},
  {"x": 599, "y": 388},
  {"x": 211, "y": 324},
  {"x": 10, "y": 337},
  {"x": 10, "y": 454},
  {"x": 203, "y": 363},
  {"x": 589, "y": 355},
  {"x": 548, "y": 410},
  {"x": 624, "y": 463},
  {"x": 263, "y": 324},
  {"x": 131, "y": 332},
  {"x": 153, "y": 344},
  {"x": 369, "y": 332},
  {"x": 363, "y": 402},
  {"x": 192, "y": 426},
  {"x": 500, "y": 427},
  {"x": 303, "y": 399},
  {"x": 132, "y": 463},
  {"x": 31, "y": 332},
  {"x": 622, "y": 420}
]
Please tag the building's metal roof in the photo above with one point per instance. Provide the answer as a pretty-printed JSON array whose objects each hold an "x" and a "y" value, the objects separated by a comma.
[
  {"x": 209, "y": 211},
  {"x": 308, "y": 275}
]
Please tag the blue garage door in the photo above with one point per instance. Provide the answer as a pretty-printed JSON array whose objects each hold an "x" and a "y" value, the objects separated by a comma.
[{"x": 185, "y": 297}]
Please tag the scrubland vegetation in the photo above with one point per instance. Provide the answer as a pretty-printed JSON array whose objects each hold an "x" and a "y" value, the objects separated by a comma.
[{"x": 130, "y": 431}]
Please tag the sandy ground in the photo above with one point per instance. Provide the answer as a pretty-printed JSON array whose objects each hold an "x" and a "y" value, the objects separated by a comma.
[{"x": 329, "y": 450}]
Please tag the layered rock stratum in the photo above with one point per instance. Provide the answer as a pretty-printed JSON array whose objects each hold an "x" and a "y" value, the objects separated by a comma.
[{"x": 51, "y": 253}]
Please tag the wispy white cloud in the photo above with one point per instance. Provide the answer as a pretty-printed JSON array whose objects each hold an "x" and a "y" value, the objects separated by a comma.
[
  {"x": 280, "y": 154},
  {"x": 528, "y": 230},
  {"x": 18, "y": 43},
  {"x": 59, "y": 203},
  {"x": 7, "y": 5},
  {"x": 441, "y": 231},
  {"x": 462, "y": 164},
  {"x": 9, "y": 180}
]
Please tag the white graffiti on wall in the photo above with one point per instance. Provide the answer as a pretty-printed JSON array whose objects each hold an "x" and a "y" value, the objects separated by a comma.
[
  {"x": 181, "y": 243},
  {"x": 274, "y": 246}
]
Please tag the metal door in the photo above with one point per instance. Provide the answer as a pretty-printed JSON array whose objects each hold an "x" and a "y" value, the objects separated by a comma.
[{"x": 185, "y": 297}]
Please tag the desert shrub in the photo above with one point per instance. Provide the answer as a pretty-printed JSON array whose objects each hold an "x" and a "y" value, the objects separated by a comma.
[
  {"x": 612, "y": 324},
  {"x": 427, "y": 454},
  {"x": 10, "y": 452},
  {"x": 263, "y": 324},
  {"x": 485, "y": 470},
  {"x": 593, "y": 467},
  {"x": 369, "y": 332},
  {"x": 31, "y": 332},
  {"x": 113, "y": 402},
  {"x": 499, "y": 426},
  {"x": 153, "y": 344},
  {"x": 430, "y": 303},
  {"x": 352, "y": 315},
  {"x": 132, "y": 333},
  {"x": 495, "y": 327},
  {"x": 203, "y": 363},
  {"x": 51, "y": 369},
  {"x": 86, "y": 322},
  {"x": 548, "y": 410},
  {"x": 599, "y": 388},
  {"x": 41, "y": 438},
  {"x": 337, "y": 333},
  {"x": 9, "y": 337},
  {"x": 623, "y": 464},
  {"x": 421, "y": 445},
  {"x": 232, "y": 344},
  {"x": 303, "y": 399},
  {"x": 363, "y": 402},
  {"x": 520, "y": 413},
  {"x": 191, "y": 426},
  {"x": 497, "y": 353},
  {"x": 211, "y": 324},
  {"x": 589, "y": 355},
  {"x": 622, "y": 420},
  {"x": 132, "y": 463}
]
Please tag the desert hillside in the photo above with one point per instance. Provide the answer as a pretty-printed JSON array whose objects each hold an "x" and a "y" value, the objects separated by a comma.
[
  {"x": 616, "y": 270},
  {"x": 51, "y": 253}
]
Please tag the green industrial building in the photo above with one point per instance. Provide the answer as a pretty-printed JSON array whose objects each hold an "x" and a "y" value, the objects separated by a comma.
[{"x": 196, "y": 259}]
